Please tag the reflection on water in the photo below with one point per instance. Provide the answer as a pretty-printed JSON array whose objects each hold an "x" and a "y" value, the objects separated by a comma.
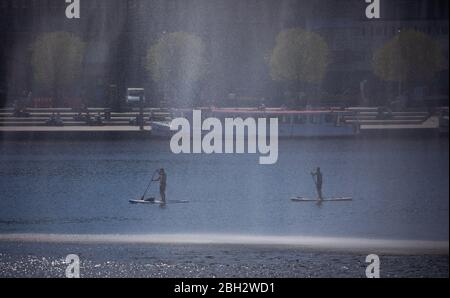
[
  {"x": 400, "y": 189},
  {"x": 402, "y": 247}
]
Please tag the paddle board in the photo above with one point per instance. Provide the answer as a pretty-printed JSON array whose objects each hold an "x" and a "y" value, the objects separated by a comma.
[
  {"x": 301, "y": 199},
  {"x": 154, "y": 201}
]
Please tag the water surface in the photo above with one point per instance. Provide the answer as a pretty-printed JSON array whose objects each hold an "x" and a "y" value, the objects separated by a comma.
[{"x": 400, "y": 189}]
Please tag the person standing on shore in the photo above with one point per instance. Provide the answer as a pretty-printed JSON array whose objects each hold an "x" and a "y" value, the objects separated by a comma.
[
  {"x": 318, "y": 179},
  {"x": 162, "y": 178}
]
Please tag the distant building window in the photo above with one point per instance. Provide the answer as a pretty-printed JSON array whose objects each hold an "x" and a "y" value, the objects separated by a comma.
[
  {"x": 299, "y": 119},
  {"x": 284, "y": 119},
  {"x": 330, "y": 118},
  {"x": 314, "y": 119}
]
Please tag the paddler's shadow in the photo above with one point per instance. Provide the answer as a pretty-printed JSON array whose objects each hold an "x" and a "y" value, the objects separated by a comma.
[{"x": 163, "y": 205}]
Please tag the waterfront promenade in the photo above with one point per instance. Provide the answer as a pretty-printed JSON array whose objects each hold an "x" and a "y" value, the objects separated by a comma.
[{"x": 36, "y": 121}]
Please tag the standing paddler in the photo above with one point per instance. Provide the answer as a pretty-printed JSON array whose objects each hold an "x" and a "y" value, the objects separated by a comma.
[
  {"x": 318, "y": 179},
  {"x": 162, "y": 178}
]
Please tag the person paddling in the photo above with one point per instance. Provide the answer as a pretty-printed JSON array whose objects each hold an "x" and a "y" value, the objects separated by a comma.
[
  {"x": 318, "y": 179},
  {"x": 162, "y": 178}
]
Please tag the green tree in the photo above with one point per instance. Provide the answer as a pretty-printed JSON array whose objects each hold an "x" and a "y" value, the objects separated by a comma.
[
  {"x": 299, "y": 56},
  {"x": 178, "y": 63},
  {"x": 57, "y": 61},
  {"x": 411, "y": 56}
]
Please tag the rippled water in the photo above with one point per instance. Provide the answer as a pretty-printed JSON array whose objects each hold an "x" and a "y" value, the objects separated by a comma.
[{"x": 400, "y": 189}]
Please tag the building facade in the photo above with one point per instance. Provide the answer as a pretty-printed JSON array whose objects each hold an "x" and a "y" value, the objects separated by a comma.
[{"x": 239, "y": 35}]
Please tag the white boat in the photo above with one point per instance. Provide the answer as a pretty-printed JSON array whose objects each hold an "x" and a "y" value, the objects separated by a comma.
[
  {"x": 161, "y": 129},
  {"x": 291, "y": 123}
]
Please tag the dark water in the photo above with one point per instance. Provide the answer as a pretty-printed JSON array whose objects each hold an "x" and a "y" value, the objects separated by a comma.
[{"x": 400, "y": 189}]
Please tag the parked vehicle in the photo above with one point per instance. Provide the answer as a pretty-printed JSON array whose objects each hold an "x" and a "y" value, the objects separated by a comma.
[{"x": 134, "y": 96}]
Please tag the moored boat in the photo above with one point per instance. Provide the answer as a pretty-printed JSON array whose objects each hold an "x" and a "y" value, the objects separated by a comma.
[{"x": 291, "y": 123}]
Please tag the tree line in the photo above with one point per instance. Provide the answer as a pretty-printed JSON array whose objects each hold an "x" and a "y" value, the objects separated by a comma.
[{"x": 178, "y": 62}]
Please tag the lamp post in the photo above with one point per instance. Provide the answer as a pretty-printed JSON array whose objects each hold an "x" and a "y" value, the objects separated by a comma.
[{"x": 141, "y": 112}]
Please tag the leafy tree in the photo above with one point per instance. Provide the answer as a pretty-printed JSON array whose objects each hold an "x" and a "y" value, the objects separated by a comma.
[
  {"x": 411, "y": 56},
  {"x": 57, "y": 61},
  {"x": 299, "y": 56},
  {"x": 177, "y": 63}
]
